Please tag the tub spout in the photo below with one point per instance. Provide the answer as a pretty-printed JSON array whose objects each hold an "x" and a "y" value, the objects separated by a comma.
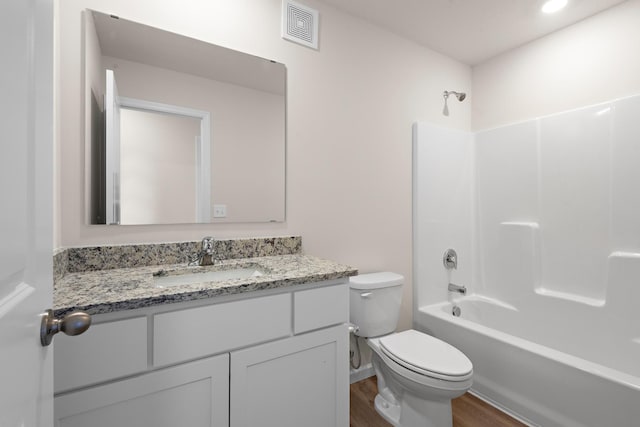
[{"x": 457, "y": 288}]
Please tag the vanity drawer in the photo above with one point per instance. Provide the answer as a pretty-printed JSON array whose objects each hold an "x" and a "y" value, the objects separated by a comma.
[
  {"x": 104, "y": 352},
  {"x": 198, "y": 332},
  {"x": 321, "y": 307}
]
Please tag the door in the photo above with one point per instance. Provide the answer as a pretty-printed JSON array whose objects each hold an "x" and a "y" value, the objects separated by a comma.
[
  {"x": 26, "y": 230},
  {"x": 112, "y": 128}
]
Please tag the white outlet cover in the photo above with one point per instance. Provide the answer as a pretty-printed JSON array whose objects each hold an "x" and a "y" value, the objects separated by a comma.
[{"x": 219, "y": 211}]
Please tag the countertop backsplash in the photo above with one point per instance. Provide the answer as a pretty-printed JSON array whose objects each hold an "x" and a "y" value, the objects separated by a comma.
[{"x": 95, "y": 258}]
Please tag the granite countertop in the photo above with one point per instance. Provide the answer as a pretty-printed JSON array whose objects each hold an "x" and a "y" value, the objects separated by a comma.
[{"x": 119, "y": 289}]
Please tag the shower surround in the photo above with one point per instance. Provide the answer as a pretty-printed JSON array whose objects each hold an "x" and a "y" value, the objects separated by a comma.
[{"x": 545, "y": 218}]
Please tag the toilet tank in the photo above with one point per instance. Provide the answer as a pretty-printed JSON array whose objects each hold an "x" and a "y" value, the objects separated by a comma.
[{"x": 374, "y": 302}]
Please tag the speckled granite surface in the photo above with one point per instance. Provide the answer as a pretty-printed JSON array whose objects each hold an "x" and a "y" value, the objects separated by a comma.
[
  {"x": 121, "y": 289},
  {"x": 75, "y": 260},
  {"x": 60, "y": 264}
]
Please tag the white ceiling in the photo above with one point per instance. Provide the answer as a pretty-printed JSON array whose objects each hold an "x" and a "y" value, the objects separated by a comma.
[
  {"x": 120, "y": 38},
  {"x": 470, "y": 31}
]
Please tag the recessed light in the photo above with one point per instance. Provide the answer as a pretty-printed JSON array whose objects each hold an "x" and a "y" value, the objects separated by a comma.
[{"x": 553, "y": 6}]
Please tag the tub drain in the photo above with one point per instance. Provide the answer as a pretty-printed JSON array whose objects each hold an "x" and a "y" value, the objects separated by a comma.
[{"x": 456, "y": 311}]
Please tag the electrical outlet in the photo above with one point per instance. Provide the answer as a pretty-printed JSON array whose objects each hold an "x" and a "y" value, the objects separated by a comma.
[{"x": 219, "y": 211}]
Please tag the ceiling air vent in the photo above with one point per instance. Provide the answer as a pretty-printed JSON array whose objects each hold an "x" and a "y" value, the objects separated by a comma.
[{"x": 299, "y": 24}]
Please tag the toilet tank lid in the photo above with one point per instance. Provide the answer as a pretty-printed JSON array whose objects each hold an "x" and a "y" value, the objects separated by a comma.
[{"x": 383, "y": 279}]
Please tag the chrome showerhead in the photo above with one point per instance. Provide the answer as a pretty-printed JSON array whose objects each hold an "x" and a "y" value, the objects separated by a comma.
[{"x": 459, "y": 95}]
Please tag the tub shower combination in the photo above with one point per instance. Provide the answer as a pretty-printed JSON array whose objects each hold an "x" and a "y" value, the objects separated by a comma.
[{"x": 545, "y": 218}]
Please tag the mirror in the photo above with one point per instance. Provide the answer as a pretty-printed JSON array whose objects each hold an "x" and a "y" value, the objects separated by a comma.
[{"x": 179, "y": 130}]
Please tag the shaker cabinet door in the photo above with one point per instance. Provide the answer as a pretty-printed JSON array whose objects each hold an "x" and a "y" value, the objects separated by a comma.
[
  {"x": 298, "y": 381},
  {"x": 194, "y": 394}
]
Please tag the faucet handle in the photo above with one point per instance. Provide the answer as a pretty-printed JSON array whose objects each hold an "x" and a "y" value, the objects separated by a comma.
[
  {"x": 194, "y": 259},
  {"x": 450, "y": 259}
]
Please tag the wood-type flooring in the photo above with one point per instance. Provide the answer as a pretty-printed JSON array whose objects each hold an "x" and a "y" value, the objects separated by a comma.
[{"x": 468, "y": 410}]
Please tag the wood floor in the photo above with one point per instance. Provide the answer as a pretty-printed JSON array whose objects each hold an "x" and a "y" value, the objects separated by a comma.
[{"x": 468, "y": 410}]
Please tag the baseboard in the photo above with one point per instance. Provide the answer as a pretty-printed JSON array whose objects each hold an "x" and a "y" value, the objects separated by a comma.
[
  {"x": 364, "y": 371},
  {"x": 498, "y": 406}
]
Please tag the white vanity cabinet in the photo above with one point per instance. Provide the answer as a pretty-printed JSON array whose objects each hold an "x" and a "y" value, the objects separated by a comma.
[{"x": 278, "y": 359}]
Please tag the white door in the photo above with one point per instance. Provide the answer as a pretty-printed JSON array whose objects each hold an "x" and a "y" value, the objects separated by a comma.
[
  {"x": 26, "y": 165},
  {"x": 112, "y": 126}
]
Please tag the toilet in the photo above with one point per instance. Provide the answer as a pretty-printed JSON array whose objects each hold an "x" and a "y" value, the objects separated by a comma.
[{"x": 418, "y": 374}]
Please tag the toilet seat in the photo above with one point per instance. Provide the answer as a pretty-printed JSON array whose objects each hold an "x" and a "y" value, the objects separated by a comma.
[{"x": 426, "y": 355}]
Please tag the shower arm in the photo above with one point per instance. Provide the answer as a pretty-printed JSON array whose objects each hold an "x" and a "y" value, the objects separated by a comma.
[{"x": 460, "y": 95}]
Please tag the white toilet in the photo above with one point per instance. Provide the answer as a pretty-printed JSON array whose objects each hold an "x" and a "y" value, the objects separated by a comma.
[{"x": 418, "y": 374}]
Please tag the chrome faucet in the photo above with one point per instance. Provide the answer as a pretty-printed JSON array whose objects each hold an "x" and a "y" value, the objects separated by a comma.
[
  {"x": 457, "y": 288},
  {"x": 206, "y": 255}
]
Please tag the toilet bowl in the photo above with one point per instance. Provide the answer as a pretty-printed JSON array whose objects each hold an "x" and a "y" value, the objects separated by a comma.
[{"x": 417, "y": 374}]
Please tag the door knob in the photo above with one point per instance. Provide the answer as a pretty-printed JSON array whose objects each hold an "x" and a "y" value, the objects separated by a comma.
[{"x": 71, "y": 324}]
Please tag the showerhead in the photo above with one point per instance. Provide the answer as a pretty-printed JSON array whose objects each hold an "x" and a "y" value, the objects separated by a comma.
[{"x": 459, "y": 95}]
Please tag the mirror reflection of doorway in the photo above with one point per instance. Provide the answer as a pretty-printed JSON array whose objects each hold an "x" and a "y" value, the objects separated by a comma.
[
  {"x": 158, "y": 154},
  {"x": 157, "y": 161}
]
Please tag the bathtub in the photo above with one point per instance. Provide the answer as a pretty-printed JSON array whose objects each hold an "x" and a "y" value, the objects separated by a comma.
[{"x": 548, "y": 361}]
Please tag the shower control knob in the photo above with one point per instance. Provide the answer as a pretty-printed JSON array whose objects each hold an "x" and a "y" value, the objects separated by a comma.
[
  {"x": 72, "y": 324},
  {"x": 450, "y": 259}
]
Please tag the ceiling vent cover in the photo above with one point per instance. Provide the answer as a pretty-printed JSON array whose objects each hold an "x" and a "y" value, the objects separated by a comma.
[{"x": 300, "y": 24}]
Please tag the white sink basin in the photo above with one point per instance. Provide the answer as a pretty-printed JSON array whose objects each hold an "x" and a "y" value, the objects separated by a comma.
[{"x": 177, "y": 279}]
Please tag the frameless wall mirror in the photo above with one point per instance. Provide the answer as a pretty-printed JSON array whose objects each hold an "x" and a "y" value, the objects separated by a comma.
[{"x": 179, "y": 130}]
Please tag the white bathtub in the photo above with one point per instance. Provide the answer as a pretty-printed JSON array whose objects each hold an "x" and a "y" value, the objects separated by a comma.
[{"x": 550, "y": 362}]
